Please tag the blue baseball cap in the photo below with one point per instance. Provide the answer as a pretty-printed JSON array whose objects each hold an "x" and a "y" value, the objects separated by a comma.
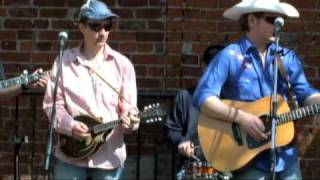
[{"x": 96, "y": 10}]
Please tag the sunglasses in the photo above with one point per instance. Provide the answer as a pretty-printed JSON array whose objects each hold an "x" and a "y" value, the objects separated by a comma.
[
  {"x": 269, "y": 19},
  {"x": 96, "y": 27}
]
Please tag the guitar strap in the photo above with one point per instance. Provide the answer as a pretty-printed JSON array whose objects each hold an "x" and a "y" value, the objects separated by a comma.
[
  {"x": 293, "y": 103},
  {"x": 109, "y": 84}
]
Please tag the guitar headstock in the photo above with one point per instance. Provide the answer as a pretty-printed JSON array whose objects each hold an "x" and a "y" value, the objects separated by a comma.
[{"x": 152, "y": 113}]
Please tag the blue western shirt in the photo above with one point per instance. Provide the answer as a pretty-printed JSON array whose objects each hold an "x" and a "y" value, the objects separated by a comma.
[{"x": 237, "y": 73}]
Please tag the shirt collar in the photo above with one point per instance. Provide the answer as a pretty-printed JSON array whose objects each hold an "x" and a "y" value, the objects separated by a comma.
[
  {"x": 246, "y": 45},
  {"x": 109, "y": 54}
]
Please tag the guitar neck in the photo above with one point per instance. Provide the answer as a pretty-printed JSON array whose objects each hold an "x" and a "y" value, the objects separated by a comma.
[
  {"x": 298, "y": 114},
  {"x": 23, "y": 79}
]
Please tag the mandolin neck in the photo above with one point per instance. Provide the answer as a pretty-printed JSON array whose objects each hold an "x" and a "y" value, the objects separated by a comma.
[{"x": 99, "y": 128}]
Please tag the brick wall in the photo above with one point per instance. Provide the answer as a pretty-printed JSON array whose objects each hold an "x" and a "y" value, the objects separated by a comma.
[{"x": 163, "y": 38}]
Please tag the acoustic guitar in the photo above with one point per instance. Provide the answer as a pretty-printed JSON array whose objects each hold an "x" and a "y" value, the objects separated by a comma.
[
  {"x": 80, "y": 149},
  {"x": 227, "y": 147},
  {"x": 22, "y": 79}
]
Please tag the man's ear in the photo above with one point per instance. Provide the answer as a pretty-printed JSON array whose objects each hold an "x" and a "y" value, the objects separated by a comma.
[
  {"x": 81, "y": 27},
  {"x": 252, "y": 20}
]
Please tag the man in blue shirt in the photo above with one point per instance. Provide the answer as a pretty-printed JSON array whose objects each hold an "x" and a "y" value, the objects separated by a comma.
[{"x": 243, "y": 71}]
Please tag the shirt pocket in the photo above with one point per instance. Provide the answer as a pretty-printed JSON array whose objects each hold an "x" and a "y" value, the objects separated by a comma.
[
  {"x": 248, "y": 87},
  {"x": 111, "y": 95}
]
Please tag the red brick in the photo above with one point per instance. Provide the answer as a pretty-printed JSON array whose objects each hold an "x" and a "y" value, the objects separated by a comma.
[
  {"x": 53, "y": 13},
  {"x": 145, "y": 47},
  {"x": 64, "y": 25},
  {"x": 149, "y": 36},
  {"x": 174, "y": 47},
  {"x": 146, "y": 59},
  {"x": 141, "y": 70},
  {"x": 306, "y": 4},
  {"x": 127, "y": 47},
  {"x": 47, "y": 3},
  {"x": 15, "y": 2},
  {"x": 174, "y": 2},
  {"x": 202, "y": 3},
  {"x": 26, "y": 46},
  {"x": 152, "y": 83},
  {"x": 122, "y": 36},
  {"x": 40, "y": 24},
  {"x": 15, "y": 57},
  {"x": 124, "y": 13},
  {"x": 23, "y": 12},
  {"x": 155, "y": 25},
  {"x": 150, "y": 13},
  {"x": 227, "y": 4},
  {"x": 3, "y": 12},
  {"x": 48, "y": 35},
  {"x": 17, "y": 24},
  {"x": 228, "y": 26},
  {"x": 212, "y": 15},
  {"x": 155, "y": 72},
  {"x": 9, "y": 45},
  {"x": 25, "y": 35},
  {"x": 133, "y": 2}
]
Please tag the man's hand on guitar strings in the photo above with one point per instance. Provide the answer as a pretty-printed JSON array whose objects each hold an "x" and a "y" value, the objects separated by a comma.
[
  {"x": 41, "y": 82},
  {"x": 80, "y": 131},
  {"x": 254, "y": 126}
]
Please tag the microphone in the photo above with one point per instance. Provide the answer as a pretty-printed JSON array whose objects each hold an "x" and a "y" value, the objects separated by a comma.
[
  {"x": 278, "y": 24},
  {"x": 63, "y": 37}
]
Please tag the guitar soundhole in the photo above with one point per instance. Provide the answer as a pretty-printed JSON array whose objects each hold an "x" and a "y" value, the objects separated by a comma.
[{"x": 252, "y": 143}]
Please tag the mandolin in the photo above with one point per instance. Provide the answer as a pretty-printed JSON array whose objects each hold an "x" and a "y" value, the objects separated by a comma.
[{"x": 80, "y": 149}]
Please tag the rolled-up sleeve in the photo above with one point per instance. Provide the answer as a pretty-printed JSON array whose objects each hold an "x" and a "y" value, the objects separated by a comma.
[
  {"x": 302, "y": 87},
  {"x": 212, "y": 81},
  {"x": 128, "y": 99},
  {"x": 64, "y": 121}
]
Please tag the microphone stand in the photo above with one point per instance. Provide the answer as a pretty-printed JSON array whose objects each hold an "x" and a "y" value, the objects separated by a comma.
[
  {"x": 49, "y": 148},
  {"x": 274, "y": 106},
  {"x": 17, "y": 141}
]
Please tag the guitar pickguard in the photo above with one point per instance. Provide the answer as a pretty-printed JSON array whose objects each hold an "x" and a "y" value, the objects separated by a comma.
[{"x": 252, "y": 143}]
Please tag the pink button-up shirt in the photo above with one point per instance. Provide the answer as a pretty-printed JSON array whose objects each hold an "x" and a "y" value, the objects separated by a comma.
[{"x": 82, "y": 92}]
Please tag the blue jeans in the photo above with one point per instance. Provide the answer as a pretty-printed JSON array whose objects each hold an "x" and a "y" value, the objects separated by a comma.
[
  {"x": 293, "y": 172},
  {"x": 62, "y": 170}
]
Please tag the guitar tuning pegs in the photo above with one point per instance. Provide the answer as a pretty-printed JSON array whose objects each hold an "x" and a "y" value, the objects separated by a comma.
[{"x": 25, "y": 72}]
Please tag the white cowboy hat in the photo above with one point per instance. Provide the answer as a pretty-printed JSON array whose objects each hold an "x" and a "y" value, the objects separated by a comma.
[{"x": 251, "y": 6}]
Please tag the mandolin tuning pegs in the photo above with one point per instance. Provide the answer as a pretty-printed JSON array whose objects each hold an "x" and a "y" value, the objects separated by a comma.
[{"x": 24, "y": 72}]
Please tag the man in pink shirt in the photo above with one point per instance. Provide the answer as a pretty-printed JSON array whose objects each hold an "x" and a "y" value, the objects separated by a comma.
[{"x": 98, "y": 82}]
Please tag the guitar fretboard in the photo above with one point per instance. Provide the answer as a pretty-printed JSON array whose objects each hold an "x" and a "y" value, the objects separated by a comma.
[
  {"x": 298, "y": 114},
  {"x": 23, "y": 79}
]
